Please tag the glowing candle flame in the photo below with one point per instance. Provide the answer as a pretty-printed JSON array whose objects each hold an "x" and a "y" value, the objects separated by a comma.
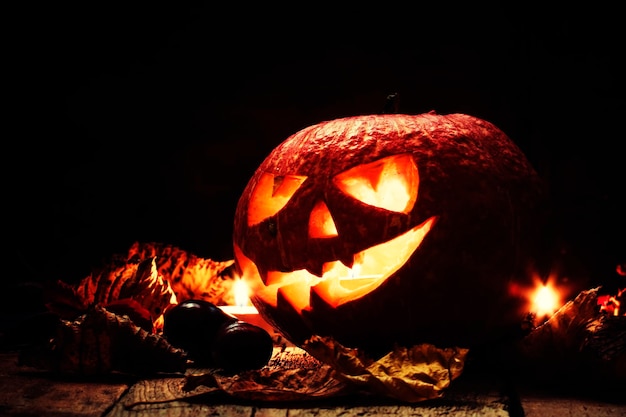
[
  {"x": 241, "y": 293},
  {"x": 542, "y": 297},
  {"x": 546, "y": 300}
]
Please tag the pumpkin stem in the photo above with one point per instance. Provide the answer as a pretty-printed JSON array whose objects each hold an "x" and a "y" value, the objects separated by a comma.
[{"x": 392, "y": 103}]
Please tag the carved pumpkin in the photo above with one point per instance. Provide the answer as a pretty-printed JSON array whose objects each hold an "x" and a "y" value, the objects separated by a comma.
[{"x": 389, "y": 229}]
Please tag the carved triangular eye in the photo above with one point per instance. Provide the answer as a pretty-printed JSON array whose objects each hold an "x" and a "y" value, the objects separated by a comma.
[
  {"x": 390, "y": 183},
  {"x": 270, "y": 195}
]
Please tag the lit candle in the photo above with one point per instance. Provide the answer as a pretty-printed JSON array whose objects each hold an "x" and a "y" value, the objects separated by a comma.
[
  {"x": 243, "y": 310},
  {"x": 355, "y": 279}
]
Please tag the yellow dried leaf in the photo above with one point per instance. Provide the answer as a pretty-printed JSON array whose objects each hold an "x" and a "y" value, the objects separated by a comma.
[{"x": 414, "y": 374}]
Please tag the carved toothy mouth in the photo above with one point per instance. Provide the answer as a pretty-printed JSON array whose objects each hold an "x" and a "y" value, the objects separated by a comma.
[{"x": 338, "y": 284}]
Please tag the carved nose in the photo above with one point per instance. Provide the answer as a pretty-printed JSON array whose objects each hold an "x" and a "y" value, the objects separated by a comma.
[{"x": 321, "y": 222}]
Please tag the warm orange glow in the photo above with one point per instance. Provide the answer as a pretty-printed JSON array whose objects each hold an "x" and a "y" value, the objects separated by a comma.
[
  {"x": 270, "y": 195},
  {"x": 545, "y": 301},
  {"x": 297, "y": 294},
  {"x": 321, "y": 223},
  {"x": 545, "y": 298},
  {"x": 339, "y": 284},
  {"x": 611, "y": 304},
  {"x": 241, "y": 293},
  {"x": 390, "y": 183}
]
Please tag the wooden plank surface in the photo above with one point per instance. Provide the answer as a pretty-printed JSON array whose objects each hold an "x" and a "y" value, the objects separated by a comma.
[
  {"x": 163, "y": 397},
  {"x": 540, "y": 406},
  {"x": 28, "y": 392},
  {"x": 468, "y": 398}
]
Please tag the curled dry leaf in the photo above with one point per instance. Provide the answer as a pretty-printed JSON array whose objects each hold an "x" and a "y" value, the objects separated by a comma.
[
  {"x": 99, "y": 342},
  {"x": 136, "y": 281},
  {"x": 112, "y": 319},
  {"x": 414, "y": 374},
  {"x": 190, "y": 276},
  {"x": 562, "y": 333},
  {"x": 578, "y": 342},
  {"x": 275, "y": 384},
  {"x": 291, "y": 375},
  {"x": 151, "y": 277}
]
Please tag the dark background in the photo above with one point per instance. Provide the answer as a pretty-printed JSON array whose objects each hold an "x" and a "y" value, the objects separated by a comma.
[{"x": 144, "y": 122}]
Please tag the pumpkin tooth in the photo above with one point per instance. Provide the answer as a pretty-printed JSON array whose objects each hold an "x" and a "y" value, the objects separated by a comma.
[
  {"x": 348, "y": 261},
  {"x": 263, "y": 274},
  {"x": 316, "y": 269},
  {"x": 318, "y": 301}
]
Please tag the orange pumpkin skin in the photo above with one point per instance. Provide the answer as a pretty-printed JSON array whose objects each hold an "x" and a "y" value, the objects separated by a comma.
[{"x": 470, "y": 186}]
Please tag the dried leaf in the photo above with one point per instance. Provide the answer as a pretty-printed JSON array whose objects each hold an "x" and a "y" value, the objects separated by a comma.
[
  {"x": 156, "y": 276},
  {"x": 606, "y": 336},
  {"x": 284, "y": 384},
  {"x": 291, "y": 375},
  {"x": 413, "y": 374},
  {"x": 100, "y": 342},
  {"x": 63, "y": 300},
  {"x": 565, "y": 329},
  {"x": 189, "y": 275},
  {"x": 137, "y": 282},
  {"x": 578, "y": 342}
]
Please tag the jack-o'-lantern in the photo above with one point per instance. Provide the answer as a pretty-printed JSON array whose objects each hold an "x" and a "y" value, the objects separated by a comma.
[{"x": 386, "y": 230}]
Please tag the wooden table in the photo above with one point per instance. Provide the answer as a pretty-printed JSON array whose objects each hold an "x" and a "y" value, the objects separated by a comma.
[
  {"x": 35, "y": 393},
  {"x": 28, "y": 392}
]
